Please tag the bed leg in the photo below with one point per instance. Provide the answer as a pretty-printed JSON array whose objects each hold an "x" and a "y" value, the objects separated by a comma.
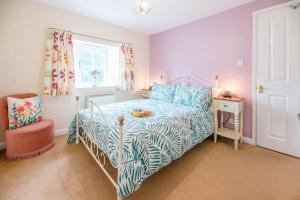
[
  {"x": 77, "y": 119},
  {"x": 120, "y": 159}
]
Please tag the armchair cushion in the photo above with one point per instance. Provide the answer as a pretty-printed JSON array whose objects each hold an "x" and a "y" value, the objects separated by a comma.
[
  {"x": 22, "y": 112},
  {"x": 4, "y": 108}
]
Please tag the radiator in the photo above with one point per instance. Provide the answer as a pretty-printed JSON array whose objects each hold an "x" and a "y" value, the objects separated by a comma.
[{"x": 101, "y": 99}]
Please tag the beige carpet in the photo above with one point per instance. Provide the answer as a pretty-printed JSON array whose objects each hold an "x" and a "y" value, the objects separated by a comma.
[{"x": 207, "y": 172}]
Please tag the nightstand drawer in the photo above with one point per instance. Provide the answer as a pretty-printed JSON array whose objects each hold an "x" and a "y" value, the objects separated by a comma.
[{"x": 227, "y": 106}]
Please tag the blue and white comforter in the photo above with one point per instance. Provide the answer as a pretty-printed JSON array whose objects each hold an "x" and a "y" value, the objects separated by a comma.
[{"x": 149, "y": 143}]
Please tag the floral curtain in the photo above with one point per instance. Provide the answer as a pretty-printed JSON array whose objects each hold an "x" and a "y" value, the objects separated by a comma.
[
  {"x": 59, "y": 68},
  {"x": 126, "y": 81}
]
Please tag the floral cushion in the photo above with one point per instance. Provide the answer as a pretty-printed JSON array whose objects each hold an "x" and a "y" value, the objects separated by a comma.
[
  {"x": 22, "y": 112},
  {"x": 183, "y": 95},
  {"x": 164, "y": 92}
]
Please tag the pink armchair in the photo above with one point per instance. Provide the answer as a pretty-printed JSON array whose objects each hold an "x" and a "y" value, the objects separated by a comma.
[{"x": 27, "y": 141}]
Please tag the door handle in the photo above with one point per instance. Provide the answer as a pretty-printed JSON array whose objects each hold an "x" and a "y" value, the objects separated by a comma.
[{"x": 260, "y": 88}]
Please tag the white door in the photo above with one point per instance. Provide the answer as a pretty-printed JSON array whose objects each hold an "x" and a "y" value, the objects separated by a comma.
[{"x": 278, "y": 78}]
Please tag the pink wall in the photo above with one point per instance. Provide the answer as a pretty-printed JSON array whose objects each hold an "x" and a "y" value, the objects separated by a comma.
[{"x": 209, "y": 47}]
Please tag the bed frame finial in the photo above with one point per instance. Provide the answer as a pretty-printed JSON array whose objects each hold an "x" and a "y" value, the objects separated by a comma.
[
  {"x": 77, "y": 119},
  {"x": 121, "y": 120}
]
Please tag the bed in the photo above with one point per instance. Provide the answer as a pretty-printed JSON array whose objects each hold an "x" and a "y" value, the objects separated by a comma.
[{"x": 139, "y": 147}]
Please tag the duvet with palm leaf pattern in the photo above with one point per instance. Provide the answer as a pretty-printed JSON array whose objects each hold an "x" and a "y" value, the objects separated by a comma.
[{"x": 150, "y": 143}]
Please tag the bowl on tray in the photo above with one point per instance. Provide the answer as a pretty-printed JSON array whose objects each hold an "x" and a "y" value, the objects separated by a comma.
[{"x": 139, "y": 113}]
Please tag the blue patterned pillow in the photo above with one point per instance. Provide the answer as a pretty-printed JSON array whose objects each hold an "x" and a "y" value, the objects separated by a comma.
[
  {"x": 202, "y": 98},
  {"x": 183, "y": 95},
  {"x": 164, "y": 92},
  {"x": 199, "y": 98}
]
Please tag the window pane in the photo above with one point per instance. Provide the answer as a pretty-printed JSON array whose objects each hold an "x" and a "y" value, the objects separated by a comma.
[
  {"x": 99, "y": 58},
  {"x": 95, "y": 65}
]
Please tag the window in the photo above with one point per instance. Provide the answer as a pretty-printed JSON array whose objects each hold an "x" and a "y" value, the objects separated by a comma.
[{"x": 96, "y": 65}]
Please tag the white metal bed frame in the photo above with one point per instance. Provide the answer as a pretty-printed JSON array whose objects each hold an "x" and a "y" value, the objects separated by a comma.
[{"x": 90, "y": 144}]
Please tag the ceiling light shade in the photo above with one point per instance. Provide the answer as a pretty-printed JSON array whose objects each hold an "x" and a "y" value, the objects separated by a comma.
[{"x": 142, "y": 9}]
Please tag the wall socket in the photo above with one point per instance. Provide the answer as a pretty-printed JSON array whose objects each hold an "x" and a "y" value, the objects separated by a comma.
[{"x": 240, "y": 63}]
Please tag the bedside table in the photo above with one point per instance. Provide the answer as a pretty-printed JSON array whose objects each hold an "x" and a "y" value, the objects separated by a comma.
[
  {"x": 231, "y": 105},
  {"x": 145, "y": 93}
]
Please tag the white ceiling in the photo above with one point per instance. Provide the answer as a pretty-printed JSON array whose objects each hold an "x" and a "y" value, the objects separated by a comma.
[{"x": 165, "y": 14}]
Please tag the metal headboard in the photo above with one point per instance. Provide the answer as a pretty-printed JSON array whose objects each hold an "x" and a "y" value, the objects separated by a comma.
[
  {"x": 191, "y": 80},
  {"x": 194, "y": 81}
]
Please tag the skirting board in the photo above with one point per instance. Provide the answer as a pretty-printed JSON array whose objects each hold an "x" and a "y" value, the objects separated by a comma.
[
  {"x": 247, "y": 140},
  {"x": 65, "y": 131},
  {"x": 61, "y": 132},
  {"x": 56, "y": 133}
]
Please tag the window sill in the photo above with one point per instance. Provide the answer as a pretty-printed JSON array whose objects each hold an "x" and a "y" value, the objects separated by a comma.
[{"x": 96, "y": 87}]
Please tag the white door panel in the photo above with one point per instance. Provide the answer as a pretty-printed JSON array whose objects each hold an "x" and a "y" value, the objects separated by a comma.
[
  {"x": 278, "y": 117},
  {"x": 278, "y": 71}
]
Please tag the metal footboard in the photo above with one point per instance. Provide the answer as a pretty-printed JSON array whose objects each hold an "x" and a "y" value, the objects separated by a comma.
[{"x": 86, "y": 138}]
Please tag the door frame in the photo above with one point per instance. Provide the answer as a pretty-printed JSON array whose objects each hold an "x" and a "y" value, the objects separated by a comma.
[{"x": 254, "y": 65}]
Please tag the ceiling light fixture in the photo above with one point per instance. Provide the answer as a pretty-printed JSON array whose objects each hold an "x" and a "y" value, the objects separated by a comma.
[{"x": 142, "y": 9}]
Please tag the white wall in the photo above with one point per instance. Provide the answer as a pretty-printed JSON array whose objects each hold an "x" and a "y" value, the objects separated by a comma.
[{"x": 23, "y": 27}]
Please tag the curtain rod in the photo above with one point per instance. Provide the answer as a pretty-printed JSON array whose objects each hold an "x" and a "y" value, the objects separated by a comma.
[{"x": 51, "y": 28}]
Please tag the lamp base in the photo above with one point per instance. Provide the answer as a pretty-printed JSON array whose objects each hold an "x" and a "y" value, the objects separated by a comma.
[{"x": 227, "y": 94}]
